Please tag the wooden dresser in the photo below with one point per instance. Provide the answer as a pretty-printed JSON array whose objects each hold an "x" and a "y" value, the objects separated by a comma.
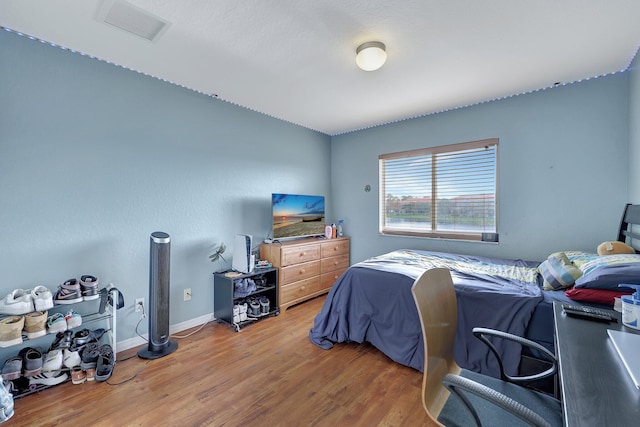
[{"x": 306, "y": 267}]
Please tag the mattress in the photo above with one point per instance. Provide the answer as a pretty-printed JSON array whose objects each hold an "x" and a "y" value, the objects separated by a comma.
[{"x": 372, "y": 302}]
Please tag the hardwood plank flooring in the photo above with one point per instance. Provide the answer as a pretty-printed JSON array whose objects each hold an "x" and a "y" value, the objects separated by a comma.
[{"x": 267, "y": 374}]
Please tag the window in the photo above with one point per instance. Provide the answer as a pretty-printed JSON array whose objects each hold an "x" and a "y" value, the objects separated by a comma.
[{"x": 447, "y": 191}]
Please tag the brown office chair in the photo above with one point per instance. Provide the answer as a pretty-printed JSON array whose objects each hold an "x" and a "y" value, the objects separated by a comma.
[{"x": 458, "y": 397}]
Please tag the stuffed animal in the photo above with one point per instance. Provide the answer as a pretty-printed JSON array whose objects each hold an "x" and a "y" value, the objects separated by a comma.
[{"x": 610, "y": 248}]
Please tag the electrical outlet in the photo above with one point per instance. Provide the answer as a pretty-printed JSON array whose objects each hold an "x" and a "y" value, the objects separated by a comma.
[
  {"x": 187, "y": 294},
  {"x": 139, "y": 305}
]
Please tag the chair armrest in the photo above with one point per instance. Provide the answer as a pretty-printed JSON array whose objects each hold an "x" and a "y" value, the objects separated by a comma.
[
  {"x": 483, "y": 333},
  {"x": 456, "y": 383}
]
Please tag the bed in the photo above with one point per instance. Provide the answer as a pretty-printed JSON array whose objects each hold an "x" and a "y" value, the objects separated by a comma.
[{"x": 372, "y": 302}]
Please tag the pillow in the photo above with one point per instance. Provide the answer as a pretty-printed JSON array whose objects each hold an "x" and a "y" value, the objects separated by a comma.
[
  {"x": 610, "y": 248},
  {"x": 608, "y": 271},
  {"x": 599, "y": 296},
  {"x": 558, "y": 272},
  {"x": 577, "y": 258}
]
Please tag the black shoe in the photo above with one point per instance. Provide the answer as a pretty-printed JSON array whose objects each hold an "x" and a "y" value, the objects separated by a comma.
[
  {"x": 106, "y": 361},
  {"x": 90, "y": 356},
  {"x": 84, "y": 337},
  {"x": 62, "y": 341}
]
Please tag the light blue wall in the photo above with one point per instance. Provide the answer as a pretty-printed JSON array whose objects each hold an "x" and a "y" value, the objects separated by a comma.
[
  {"x": 94, "y": 158},
  {"x": 562, "y": 169},
  {"x": 634, "y": 131}
]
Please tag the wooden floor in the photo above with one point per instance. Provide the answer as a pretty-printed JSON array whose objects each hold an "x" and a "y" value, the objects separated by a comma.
[{"x": 268, "y": 374}]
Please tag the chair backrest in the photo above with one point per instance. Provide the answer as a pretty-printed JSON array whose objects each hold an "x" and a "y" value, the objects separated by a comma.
[{"x": 435, "y": 299}]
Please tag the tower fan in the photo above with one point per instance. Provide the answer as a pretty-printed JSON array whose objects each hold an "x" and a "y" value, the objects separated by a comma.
[{"x": 159, "y": 343}]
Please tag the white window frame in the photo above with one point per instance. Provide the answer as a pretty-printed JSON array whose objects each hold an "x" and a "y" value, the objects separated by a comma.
[{"x": 423, "y": 165}]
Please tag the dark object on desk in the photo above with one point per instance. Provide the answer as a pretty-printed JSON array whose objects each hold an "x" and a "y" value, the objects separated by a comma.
[
  {"x": 595, "y": 386},
  {"x": 474, "y": 397},
  {"x": 590, "y": 313}
]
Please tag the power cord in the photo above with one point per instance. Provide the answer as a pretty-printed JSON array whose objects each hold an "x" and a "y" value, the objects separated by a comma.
[{"x": 142, "y": 317}]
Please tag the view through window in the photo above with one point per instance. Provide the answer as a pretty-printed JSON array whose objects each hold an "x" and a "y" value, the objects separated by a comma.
[{"x": 447, "y": 191}]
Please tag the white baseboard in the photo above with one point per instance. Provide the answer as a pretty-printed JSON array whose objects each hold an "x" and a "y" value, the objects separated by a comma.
[{"x": 173, "y": 329}]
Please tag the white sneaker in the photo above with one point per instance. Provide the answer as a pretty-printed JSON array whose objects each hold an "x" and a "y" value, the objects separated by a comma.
[
  {"x": 52, "y": 363},
  {"x": 73, "y": 319},
  {"x": 56, "y": 323},
  {"x": 17, "y": 302},
  {"x": 42, "y": 298},
  {"x": 70, "y": 358},
  {"x": 42, "y": 379}
]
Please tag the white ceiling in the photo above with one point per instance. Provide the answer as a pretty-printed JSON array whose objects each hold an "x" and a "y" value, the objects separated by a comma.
[{"x": 295, "y": 59}]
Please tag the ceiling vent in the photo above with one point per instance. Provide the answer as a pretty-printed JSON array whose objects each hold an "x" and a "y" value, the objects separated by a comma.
[{"x": 132, "y": 19}]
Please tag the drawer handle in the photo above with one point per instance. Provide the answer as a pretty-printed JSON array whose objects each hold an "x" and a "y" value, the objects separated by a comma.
[
  {"x": 302, "y": 271},
  {"x": 302, "y": 254},
  {"x": 302, "y": 288}
]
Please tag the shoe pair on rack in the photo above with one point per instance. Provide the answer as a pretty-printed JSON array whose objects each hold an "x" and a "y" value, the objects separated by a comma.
[
  {"x": 73, "y": 291},
  {"x": 97, "y": 363},
  {"x": 27, "y": 363},
  {"x": 11, "y": 327},
  {"x": 59, "y": 322},
  {"x": 240, "y": 312},
  {"x": 20, "y": 301},
  {"x": 77, "y": 341}
]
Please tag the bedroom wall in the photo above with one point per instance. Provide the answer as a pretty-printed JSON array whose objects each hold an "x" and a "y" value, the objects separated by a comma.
[
  {"x": 562, "y": 169},
  {"x": 634, "y": 130},
  {"x": 94, "y": 158}
]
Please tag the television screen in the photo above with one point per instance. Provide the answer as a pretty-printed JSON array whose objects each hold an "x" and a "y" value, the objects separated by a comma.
[{"x": 295, "y": 215}]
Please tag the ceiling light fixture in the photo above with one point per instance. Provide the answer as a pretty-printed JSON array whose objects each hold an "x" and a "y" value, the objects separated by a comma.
[{"x": 371, "y": 55}]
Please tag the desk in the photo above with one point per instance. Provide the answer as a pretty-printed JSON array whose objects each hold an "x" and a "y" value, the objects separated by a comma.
[{"x": 596, "y": 388}]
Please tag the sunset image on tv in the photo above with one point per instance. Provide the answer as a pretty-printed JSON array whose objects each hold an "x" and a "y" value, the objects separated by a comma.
[{"x": 297, "y": 215}]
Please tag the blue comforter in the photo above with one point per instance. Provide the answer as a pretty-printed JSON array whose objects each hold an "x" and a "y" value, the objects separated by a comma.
[{"x": 372, "y": 302}]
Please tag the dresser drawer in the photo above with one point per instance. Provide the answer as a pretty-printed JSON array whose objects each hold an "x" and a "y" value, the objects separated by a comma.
[
  {"x": 328, "y": 279},
  {"x": 339, "y": 262},
  {"x": 297, "y": 254},
  {"x": 299, "y": 290},
  {"x": 296, "y": 272},
  {"x": 334, "y": 247}
]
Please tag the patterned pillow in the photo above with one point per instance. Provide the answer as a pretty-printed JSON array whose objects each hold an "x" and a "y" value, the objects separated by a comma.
[
  {"x": 606, "y": 272},
  {"x": 558, "y": 272}
]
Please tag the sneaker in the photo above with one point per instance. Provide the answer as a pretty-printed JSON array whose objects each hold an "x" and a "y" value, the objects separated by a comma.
[
  {"x": 74, "y": 320},
  {"x": 31, "y": 361},
  {"x": 243, "y": 311},
  {"x": 52, "y": 363},
  {"x": 85, "y": 336},
  {"x": 12, "y": 368},
  {"x": 56, "y": 323},
  {"x": 236, "y": 313},
  {"x": 91, "y": 374},
  {"x": 78, "y": 376},
  {"x": 106, "y": 361},
  {"x": 89, "y": 287},
  {"x": 11, "y": 331},
  {"x": 90, "y": 355},
  {"x": 44, "y": 380},
  {"x": 264, "y": 305},
  {"x": 68, "y": 293},
  {"x": 71, "y": 358},
  {"x": 254, "y": 307},
  {"x": 42, "y": 298},
  {"x": 17, "y": 302},
  {"x": 62, "y": 341},
  {"x": 35, "y": 324}
]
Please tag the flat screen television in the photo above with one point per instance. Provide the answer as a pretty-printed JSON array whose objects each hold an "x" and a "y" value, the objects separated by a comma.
[{"x": 296, "y": 216}]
